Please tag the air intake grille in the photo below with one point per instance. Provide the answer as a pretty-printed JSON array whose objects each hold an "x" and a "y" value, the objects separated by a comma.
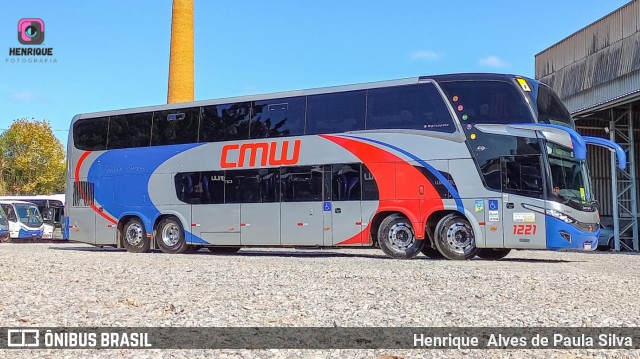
[{"x": 83, "y": 194}]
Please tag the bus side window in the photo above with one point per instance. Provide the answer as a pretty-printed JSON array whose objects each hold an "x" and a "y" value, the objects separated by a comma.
[
  {"x": 335, "y": 112},
  {"x": 90, "y": 134},
  {"x": 301, "y": 184},
  {"x": 522, "y": 175},
  {"x": 132, "y": 130},
  {"x": 278, "y": 117},
  {"x": 346, "y": 182},
  {"x": 225, "y": 122},
  {"x": 369, "y": 185},
  {"x": 175, "y": 126},
  {"x": 11, "y": 215},
  {"x": 416, "y": 107}
]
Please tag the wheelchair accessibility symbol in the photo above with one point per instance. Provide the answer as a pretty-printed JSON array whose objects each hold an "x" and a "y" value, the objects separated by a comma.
[
  {"x": 327, "y": 206},
  {"x": 493, "y": 204}
]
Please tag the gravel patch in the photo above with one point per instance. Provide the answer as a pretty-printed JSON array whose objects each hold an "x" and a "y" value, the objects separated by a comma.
[{"x": 80, "y": 285}]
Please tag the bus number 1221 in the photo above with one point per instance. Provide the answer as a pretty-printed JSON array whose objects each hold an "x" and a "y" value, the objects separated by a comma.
[{"x": 524, "y": 229}]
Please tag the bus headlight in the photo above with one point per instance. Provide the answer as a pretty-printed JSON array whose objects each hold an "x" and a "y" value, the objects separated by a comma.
[
  {"x": 561, "y": 216},
  {"x": 585, "y": 227}
]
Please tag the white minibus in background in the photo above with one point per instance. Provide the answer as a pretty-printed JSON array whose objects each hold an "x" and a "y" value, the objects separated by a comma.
[
  {"x": 25, "y": 221},
  {"x": 51, "y": 208}
]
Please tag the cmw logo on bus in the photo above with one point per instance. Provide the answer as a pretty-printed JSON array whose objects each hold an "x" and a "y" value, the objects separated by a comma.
[{"x": 235, "y": 155}]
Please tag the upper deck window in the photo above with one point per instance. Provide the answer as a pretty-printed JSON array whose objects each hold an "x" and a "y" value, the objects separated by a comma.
[
  {"x": 417, "y": 107},
  {"x": 487, "y": 102}
]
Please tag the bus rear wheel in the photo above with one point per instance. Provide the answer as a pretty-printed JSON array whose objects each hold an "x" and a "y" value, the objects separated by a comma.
[
  {"x": 134, "y": 237},
  {"x": 170, "y": 236},
  {"x": 397, "y": 239},
  {"x": 455, "y": 238},
  {"x": 493, "y": 254}
]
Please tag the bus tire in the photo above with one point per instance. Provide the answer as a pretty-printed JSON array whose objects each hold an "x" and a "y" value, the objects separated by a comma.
[
  {"x": 454, "y": 238},
  {"x": 223, "y": 250},
  {"x": 432, "y": 253},
  {"x": 493, "y": 254},
  {"x": 397, "y": 238},
  {"x": 170, "y": 236},
  {"x": 134, "y": 237}
]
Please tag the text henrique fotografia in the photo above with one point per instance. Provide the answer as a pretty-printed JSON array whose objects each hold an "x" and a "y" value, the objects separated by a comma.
[
  {"x": 31, "y": 33},
  {"x": 536, "y": 341}
]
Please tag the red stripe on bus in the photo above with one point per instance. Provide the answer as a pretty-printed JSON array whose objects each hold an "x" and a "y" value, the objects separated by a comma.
[
  {"x": 83, "y": 195},
  {"x": 79, "y": 164},
  {"x": 398, "y": 184}
]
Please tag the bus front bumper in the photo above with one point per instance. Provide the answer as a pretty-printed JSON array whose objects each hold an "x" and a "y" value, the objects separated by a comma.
[{"x": 563, "y": 236}]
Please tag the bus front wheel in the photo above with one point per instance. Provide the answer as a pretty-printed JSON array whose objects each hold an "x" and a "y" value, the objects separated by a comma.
[
  {"x": 455, "y": 238},
  {"x": 134, "y": 237},
  {"x": 397, "y": 239},
  {"x": 170, "y": 236}
]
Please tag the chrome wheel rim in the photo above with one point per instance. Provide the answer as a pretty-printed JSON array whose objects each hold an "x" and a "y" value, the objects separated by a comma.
[
  {"x": 401, "y": 237},
  {"x": 170, "y": 234},
  {"x": 460, "y": 238},
  {"x": 133, "y": 234}
]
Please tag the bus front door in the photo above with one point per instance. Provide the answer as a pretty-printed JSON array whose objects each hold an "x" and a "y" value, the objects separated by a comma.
[{"x": 523, "y": 206}]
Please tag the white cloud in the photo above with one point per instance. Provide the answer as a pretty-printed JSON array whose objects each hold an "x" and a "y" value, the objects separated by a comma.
[
  {"x": 25, "y": 96},
  {"x": 492, "y": 61},
  {"x": 425, "y": 55}
]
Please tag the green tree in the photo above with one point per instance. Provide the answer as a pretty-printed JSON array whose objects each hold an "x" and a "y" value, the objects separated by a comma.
[{"x": 31, "y": 159}]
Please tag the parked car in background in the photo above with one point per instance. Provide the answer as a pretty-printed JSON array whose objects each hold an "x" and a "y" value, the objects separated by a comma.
[{"x": 605, "y": 240}]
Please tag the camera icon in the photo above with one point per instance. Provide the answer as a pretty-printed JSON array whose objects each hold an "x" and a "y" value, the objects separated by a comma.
[{"x": 31, "y": 31}]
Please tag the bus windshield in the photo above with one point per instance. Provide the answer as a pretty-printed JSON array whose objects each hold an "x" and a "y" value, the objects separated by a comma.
[
  {"x": 477, "y": 102},
  {"x": 569, "y": 177},
  {"x": 29, "y": 214},
  {"x": 551, "y": 110}
]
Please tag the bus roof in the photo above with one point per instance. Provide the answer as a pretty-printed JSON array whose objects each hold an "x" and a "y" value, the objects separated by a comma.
[
  {"x": 10, "y": 201},
  {"x": 52, "y": 197},
  {"x": 314, "y": 91}
]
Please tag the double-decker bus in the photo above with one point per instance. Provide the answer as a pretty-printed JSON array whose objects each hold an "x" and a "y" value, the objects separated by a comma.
[
  {"x": 51, "y": 209},
  {"x": 457, "y": 166}
]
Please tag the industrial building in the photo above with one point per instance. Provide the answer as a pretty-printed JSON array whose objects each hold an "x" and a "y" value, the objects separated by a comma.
[{"x": 596, "y": 73}]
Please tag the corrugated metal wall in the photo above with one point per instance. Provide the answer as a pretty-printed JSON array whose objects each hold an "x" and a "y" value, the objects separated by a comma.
[
  {"x": 599, "y": 159},
  {"x": 597, "y": 64}
]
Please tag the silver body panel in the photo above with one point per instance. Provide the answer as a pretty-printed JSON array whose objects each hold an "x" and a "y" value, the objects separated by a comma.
[
  {"x": 217, "y": 224},
  {"x": 302, "y": 224},
  {"x": 260, "y": 224}
]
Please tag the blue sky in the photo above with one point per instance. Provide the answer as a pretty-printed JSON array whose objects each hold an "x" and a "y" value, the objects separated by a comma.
[{"x": 115, "y": 54}]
